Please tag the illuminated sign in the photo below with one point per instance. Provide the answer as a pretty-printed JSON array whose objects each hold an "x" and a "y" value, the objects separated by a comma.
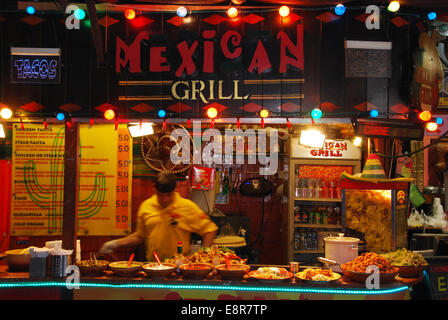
[
  {"x": 35, "y": 65},
  {"x": 332, "y": 149},
  {"x": 388, "y": 128}
]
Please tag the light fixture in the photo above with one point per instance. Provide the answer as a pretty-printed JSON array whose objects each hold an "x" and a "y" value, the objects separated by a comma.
[
  {"x": 182, "y": 12},
  {"x": 212, "y": 113},
  {"x": 357, "y": 141},
  {"x": 30, "y": 10},
  {"x": 425, "y": 116},
  {"x": 129, "y": 14},
  {"x": 80, "y": 14},
  {"x": 339, "y": 9},
  {"x": 161, "y": 113},
  {"x": 431, "y": 126},
  {"x": 264, "y": 113},
  {"x": 137, "y": 130},
  {"x": 374, "y": 113},
  {"x": 393, "y": 6},
  {"x": 232, "y": 12},
  {"x": 439, "y": 121},
  {"x": 60, "y": 116},
  {"x": 109, "y": 114},
  {"x": 2, "y": 131},
  {"x": 316, "y": 113},
  {"x": 6, "y": 113},
  {"x": 284, "y": 11},
  {"x": 312, "y": 138},
  {"x": 431, "y": 15}
]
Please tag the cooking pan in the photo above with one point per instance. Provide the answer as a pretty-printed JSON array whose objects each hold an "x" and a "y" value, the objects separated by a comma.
[{"x": 17, "y": 261}]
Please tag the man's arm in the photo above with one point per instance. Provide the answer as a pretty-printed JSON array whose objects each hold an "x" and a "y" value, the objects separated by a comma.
[
  {"x": 208, "y": 238},
  {"x": 128, "y": 241}
]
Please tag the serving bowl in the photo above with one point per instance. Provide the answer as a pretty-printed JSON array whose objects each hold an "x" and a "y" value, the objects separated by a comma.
[
  {"x": 236, "y": 271},
  {"x": 121, "y": 268},
  {"x": 410, "y": 271},
  {"x": 195, "y": 270},
  {"x": 155, "y": 271},
  {"x": 92, "y": 268},
  {"x": 17, "y": 260}
]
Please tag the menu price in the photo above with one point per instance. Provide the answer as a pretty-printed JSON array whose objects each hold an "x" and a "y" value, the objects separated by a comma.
[{"x": 124, "y": 164}]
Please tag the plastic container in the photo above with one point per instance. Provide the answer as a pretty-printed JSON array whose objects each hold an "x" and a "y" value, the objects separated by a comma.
[
  {"x": 341, "y": 249},
  {"x": 38, "y": 267},
  {"x": 58, "y": 265}
]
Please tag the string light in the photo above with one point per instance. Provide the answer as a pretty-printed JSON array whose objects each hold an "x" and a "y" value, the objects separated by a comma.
[
  {"x": 109, "y": 114},
  {"x": 116, "y": 124},
  {"x": 161, "y": 113},
  {"x": 91, "y": 121},
  {"x": 284, "y": 11},
  {"x": 289, "y": 124},
  {"x": 339, "y": 9},
  {"x": 164, "y": 125},
  {"x": 264, "y": 113},
  {"x": 69, "y": 124},
  {"x": 432, "y": 126},
  {"x": 129, "y": 14},
  {"x": 432, "y": 16},
  {"x": 45, "y": 124},
  {"x": 425, "y": 116},
  {"x": 182, "y": 12},
  {"x": 6, "y": 113},
  {"x": 238, "y": 124},
  {"x": 21, "y": 125},
  {"x": 189, "y": 123},
  {"x": 212, "y": 113},
  {"x": 439, "y": 121},
  {"x": 80, "y": 14},
  {"x": 374, "y": 113},
  {"x": 232, "y": 12},
  {"x": 357, "y": 141},
  {"x": 30, "y": 10},
  {"x": 316, "y": 113},
  {"x": 60, "y": 116},
  {"x": 393, "y": 6}
]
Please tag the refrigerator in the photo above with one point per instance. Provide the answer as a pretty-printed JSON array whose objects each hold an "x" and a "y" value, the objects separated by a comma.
[{"x": 315, "y": 195}]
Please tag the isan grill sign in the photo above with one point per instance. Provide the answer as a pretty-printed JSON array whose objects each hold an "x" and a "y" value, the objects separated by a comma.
[{"x": 35, "y": 65}]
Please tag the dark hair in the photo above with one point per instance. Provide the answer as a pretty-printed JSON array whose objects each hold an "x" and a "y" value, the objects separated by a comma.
[{"x": 165, "y": 182}]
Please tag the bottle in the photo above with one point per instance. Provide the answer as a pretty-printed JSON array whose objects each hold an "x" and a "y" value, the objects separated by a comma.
[
  {"x": 305, "y": 193},
  {"x": 299, "y": 188},
  {"x": 317, "y": 188},
  {"x": 324, "y": 216},
  {"x": 304, "y": 216},
  {"x": 338, "y": 193},
  {"x": 179, "y": 257},
  {"x": 332, "y": 194},
  {"x": 302, "y": 241},
  {"x": 316, "y": 216},
  {"x": 330, "y": 215}
]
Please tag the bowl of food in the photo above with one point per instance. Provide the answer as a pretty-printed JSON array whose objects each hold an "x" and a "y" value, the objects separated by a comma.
[
  {"x": 18, "y": 259},
  {"x": 92, "y": 267},
  {"x": 154, "y": 270},
  {"x": 195, "y": 270},
  {"x": 410, "y": 264},
  {"x": 123, "y": 269},
  {"x": 236, "y": 271},
  {"x": 411, "y": 271}
]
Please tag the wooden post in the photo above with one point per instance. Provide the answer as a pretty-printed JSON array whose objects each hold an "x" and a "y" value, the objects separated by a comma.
[{"x": 69, "y": 221}]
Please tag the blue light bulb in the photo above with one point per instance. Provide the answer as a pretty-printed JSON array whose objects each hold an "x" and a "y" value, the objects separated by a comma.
[
  {"x": 439, "y": 121},
  {"x": 80, "y": 14},
  {"x": 339, "y": 9},
  {"x": 60, "y": 116},
  {"x": 161, "y": 113},
  {"x": 182, "y": 12},
  {"x": 432, "y": 15},
  {"x": 30, "y": 10},
  {"x": 374, "y": 113},
  {"x": 316, "y": 113}
]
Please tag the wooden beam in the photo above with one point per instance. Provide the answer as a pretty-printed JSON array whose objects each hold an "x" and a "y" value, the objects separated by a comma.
[
  {"x": 69, "y": 220},
  {"x": 96, "y": 32}
]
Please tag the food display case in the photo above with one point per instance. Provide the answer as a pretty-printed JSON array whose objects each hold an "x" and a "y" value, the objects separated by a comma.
[
  {"x": 376, "y": 210},
  {"x": 315, "y": 195}
]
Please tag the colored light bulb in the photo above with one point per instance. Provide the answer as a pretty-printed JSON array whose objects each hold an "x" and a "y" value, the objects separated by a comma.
[
  {"x": 425, "y": 115},
  {"x": 80, "y": 14},
  {"x": 109, "y": 114},
  {"x": 129, "y": 14},
  {"x": 60, "y": 116},
  {"x": 374, "y": 113},
  {"x": 30, "y": 10},
  {"x": 232, "y": 12},
  {"x": 439, "y": 121},
  {"x": 264, "y": 113},
  {"x": 339, "y": 9},
  {"x": 432, "y": 15},
  {"x": 182, "y": 12},
  {"x": 6, "y": 113},
  {"x": 161, "y": 113},
  {"x": 212, "y": 113},
  {"x": 432, "y": 126},
  {"x": 284, "y": 11},
  {"x": 316, "y": 113},
  {"x": 393, "y": 6}
]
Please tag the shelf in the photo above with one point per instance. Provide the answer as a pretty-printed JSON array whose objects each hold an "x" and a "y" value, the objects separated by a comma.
[
  {"x": 318, "y": 199},
  {"x": 310, "y": 225},
  {"x": 309, "y": 251}
]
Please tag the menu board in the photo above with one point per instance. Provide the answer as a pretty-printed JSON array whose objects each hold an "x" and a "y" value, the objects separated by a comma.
[
  {"x": 37, "y": 179},
  {"x": 104, "y": 182}
]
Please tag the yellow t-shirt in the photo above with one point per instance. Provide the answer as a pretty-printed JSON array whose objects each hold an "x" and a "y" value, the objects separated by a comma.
[{"x": 162, "y": 228}]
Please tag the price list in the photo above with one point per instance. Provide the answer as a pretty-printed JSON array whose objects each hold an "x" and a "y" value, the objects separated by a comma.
[{"x": 123, "y": 185}]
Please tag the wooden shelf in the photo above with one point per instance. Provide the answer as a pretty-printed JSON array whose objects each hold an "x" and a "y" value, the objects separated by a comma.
[
  {"x": 309, "y": 251},
  {"x": 311, "y": 225},
  {"x": 318, "y": 199}
]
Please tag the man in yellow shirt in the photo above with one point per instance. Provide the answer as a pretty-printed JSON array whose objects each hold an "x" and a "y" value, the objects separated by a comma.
[{"x": 163, "y": 220}]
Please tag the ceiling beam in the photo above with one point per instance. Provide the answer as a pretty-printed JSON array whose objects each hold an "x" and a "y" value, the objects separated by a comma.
[{"x": 96, "y": 31}]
